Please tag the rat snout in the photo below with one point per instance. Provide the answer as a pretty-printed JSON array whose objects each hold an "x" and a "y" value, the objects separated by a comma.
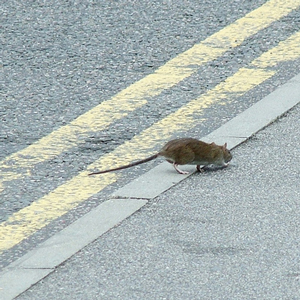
[{"x": 228, "y": 157}]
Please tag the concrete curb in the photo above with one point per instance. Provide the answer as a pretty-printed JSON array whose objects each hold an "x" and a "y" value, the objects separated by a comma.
[{"x": 38, "y": 263}]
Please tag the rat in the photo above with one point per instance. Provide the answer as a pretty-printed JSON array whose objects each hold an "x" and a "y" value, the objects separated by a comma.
[{"x": 186, "y": 151}]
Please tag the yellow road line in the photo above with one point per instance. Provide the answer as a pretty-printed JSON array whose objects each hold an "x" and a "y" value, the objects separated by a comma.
[
  {"x": 286, "y": 50},
  {"x": 53, "y": 205},
  {"x": 19, "y": 164},
  {"x": 40, "y": 213}
]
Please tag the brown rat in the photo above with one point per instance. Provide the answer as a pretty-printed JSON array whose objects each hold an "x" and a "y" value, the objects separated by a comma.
[{"x": 187, "y": 151}]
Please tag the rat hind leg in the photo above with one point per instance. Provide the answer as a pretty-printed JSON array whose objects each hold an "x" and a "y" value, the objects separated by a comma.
[{"x": 178, "y": 170}]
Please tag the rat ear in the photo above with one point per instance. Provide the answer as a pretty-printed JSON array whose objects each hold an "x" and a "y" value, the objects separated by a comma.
[
  {"x": 213, "y": 144},
  {"x": 225, "y": 146}
]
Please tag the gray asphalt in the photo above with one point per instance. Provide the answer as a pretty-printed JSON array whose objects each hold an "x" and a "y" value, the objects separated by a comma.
[
  {"x": 227, "y": 234},
  {"x": 59, "y": 59}
]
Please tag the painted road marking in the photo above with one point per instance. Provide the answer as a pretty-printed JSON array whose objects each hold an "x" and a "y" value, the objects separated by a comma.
[
  {"x": 19, "y": 164},
  {"x": 286, "y": 50},
  {"x": 53, "y": 205}
]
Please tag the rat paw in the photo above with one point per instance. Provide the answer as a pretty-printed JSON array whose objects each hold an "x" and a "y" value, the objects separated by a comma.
[
  {"x": 201, "y": 169},
  {"x": 183, "y": 172},
  {"x": 178, "y": 170}
]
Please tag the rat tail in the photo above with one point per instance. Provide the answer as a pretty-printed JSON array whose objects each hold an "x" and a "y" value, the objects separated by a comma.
[{"x": 128, "y": 166}]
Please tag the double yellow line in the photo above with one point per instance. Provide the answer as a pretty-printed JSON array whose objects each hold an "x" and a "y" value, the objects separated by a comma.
[{"x": 41, "y": 212}]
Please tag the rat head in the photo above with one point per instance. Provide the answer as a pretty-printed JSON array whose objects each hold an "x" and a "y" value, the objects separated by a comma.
[{"x": 226, "y": 153}]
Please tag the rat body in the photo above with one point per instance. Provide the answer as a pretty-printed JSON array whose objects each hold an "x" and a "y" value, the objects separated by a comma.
[{"x": 187, "y": 151}]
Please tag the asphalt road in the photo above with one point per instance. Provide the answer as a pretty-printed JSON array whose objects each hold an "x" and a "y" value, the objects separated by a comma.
[
  {"x": 229, "y": 234},
  {"x": 61, "y": 59}
]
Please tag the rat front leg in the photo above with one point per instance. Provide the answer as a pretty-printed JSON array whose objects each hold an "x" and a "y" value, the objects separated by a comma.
[
  {"x": 225, "y": 165},
  {"x": 199, "y": 169},
  {"x": 178, "y": 170}
]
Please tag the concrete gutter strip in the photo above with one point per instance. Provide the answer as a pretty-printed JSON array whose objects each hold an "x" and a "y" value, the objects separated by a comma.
[{"x": 38, "y": 263}]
